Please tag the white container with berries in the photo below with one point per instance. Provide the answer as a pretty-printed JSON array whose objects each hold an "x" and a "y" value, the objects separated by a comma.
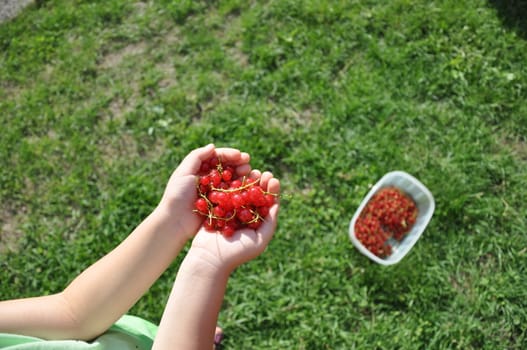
[{"x": 391, "y": 218}]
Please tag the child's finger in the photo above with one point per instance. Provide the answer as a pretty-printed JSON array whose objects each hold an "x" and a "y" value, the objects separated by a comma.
[
  {"x": 232, "y": 156},
  {"x": 266, "y": 231},
  {"x": 192, "y": 162},
  {"x": 264, "y": 179},
  {"x": 255, "y": 174},
  {"x": 273, "y": 186},
  {"x": 243, "y": 170}
]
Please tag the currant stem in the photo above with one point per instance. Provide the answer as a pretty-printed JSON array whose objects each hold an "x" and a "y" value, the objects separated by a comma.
[
  {"x": 219, "y": 167},
  {"x": 257, "y": 217},
  {"x": 210, "y": 216},
  {"x": 209, "y": 203},
  {"x": 232, "y": 190}
]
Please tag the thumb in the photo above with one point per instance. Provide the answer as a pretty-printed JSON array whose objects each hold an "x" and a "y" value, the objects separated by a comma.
[{"x": 192, "y": 162}]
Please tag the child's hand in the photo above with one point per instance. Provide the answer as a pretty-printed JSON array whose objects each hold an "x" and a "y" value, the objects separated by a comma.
[
  {"x": 191, "y": 314},
  {"x": 226, "y": 253},
  {"x": 180, "y": 193}
]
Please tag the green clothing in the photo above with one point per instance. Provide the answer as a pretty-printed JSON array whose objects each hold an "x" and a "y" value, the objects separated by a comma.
[{"x": 129, "y": 332}]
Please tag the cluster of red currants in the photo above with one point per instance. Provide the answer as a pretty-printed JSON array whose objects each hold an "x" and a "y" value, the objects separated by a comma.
[
  {"x": 228, "y": 203},
  {"x": 389, "y": 214}
]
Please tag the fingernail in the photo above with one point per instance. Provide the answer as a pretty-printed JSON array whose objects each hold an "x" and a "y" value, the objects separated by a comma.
[{"x": 218, "y": 337}]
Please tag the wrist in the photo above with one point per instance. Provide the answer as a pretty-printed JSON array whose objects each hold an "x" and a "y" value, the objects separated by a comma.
[
  {"x": 170, "y": 224},
  {"x": 201, "y": 262}
]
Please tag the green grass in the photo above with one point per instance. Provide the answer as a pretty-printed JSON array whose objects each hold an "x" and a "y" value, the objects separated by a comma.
[{"x": 100, "y": 100}]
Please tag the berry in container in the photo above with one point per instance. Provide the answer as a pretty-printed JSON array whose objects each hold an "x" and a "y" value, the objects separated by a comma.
[{"x": 391, "y": 218}]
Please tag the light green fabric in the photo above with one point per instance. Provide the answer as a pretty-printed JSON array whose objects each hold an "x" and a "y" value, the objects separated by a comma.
[{"x": 129, "y": 332}]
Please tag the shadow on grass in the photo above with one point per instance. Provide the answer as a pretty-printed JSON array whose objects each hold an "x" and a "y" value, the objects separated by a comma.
[{"x": 513, "y": 13}]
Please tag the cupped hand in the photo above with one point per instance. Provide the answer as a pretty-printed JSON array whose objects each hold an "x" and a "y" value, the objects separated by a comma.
[
  {"x": 227, "y": 253},
  {"x": 180, "y": 192}
]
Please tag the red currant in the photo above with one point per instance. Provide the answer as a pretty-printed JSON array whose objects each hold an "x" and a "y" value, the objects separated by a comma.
[
  {"x": 201, "y": 205},
  {"x": 228, "y": 203},
  {"x": 390, "y": 213},
  {"x": 237, "y": 200},
  {"x": 244, "y": 215}
]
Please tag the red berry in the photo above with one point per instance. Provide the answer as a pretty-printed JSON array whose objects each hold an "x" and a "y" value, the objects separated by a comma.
[
  {"x": 255, "y": 224},
  {"x": 215, "y": 177},
  {"x": 220, "y": 224},
  {"x": 237, "y": 200},
  {"x": 213, "y": 162},
  {"x": 227, "y": 174},
  {"x": 203, "y": 189},
  {"x": 213, "y": 196},
  {"x": 205, "y": 180},
  {"x": 235, "y": 184},
  {"x": 228, "y": 230},
  {"x": 390, "y": 213},
  {"x": 256, "y": 195},
  {"x": 223, "y": 199},
  {"x": 249, "y": 181},
  {"x": 229, "y": 203},
  {"x": 263, "y": 211},
  {"x": 202, "y": 205},
  {"x": 210, "y": 225},
  {"x": 244, "y": 215},
  {"x": 246, "y": 197},
  {"x": 269, "y": 200},
  {"x": 205, "y": 168},
  {"x": 218, "y": 212}
]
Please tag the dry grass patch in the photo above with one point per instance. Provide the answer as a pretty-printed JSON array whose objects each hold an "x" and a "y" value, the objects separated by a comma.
[
  {"x": 169, "y": 75},
  {"x": 289, "y": 119},
  {"x": 115, "y": 59},
  {"x": 120, "y": 107},
  {"x": 236, "y": 54},
  {"x": 10, "y": 222},
  {"x": 519, "y": 149}
]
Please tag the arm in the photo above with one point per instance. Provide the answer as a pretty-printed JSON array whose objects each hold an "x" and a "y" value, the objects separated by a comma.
[
  {"x": 192, "y": 309},
  {"x": 101, "y": 294}
]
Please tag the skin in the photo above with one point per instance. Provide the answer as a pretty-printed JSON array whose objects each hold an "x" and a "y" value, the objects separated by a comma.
[
  {"x": 192, "y": 309},
  {"x": 92, "y": 302}
]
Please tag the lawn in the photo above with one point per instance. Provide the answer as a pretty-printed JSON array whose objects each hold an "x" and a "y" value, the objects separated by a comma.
[{"x": 100, "y": 100}]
